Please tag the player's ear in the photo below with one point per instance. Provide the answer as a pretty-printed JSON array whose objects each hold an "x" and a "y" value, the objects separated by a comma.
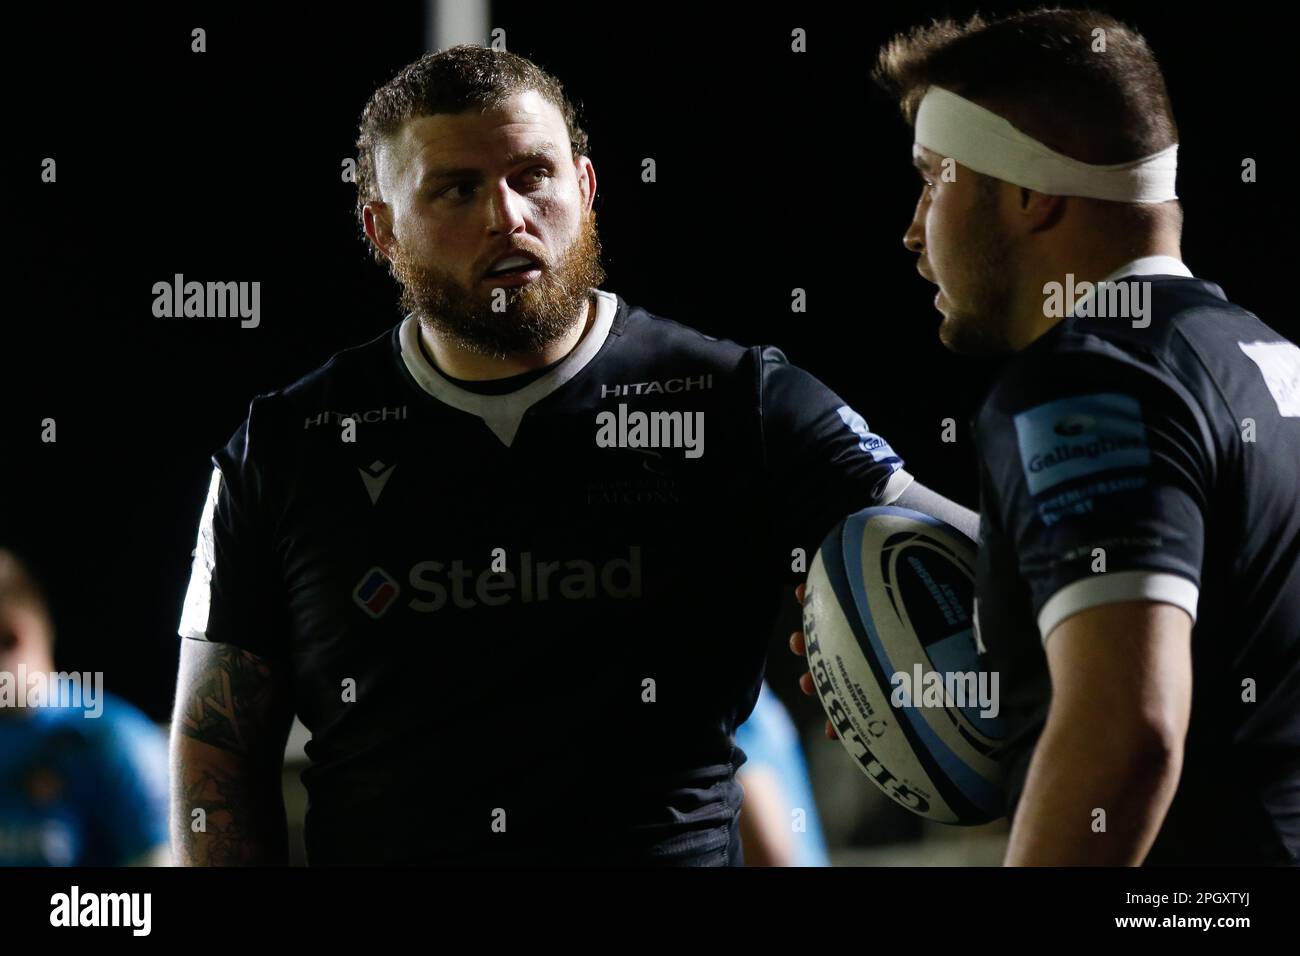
[
  {"x": 378, "y": 220},
  {"x": 586, "y": 173},
  {"x": 1038, "y": 211}
]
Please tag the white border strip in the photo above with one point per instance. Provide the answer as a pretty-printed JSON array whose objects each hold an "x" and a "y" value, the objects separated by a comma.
[
  {"x": 1119, "y": 586},
  {"x": 898, "y": 483}
]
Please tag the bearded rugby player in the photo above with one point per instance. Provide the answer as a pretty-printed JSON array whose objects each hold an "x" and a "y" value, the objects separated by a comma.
[{"x": 514, "y": 562}]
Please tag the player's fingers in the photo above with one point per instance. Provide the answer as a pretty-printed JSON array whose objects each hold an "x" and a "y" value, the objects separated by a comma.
[
  {"x": 806, "y": 684},
  {"x": 830, "y": 731},
  {"x": 797, "y": 645},
  {"x": 798, "y": 594}
]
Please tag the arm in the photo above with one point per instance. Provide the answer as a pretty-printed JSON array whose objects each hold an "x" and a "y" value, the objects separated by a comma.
[
  {"x": 920, "y": 498},
  {"x": 765, "y": 830},
  {"x": 231, "y": 721},
  {"x": 1131, "y": 662}
]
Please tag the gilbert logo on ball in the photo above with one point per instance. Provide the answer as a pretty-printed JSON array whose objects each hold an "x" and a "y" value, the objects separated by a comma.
[{"x": 889, "y": 591}]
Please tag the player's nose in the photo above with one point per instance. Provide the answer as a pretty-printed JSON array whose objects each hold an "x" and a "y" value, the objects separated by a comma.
[
  {"x": 914, "y": 237},
  {"x": 504, "y": 210}
]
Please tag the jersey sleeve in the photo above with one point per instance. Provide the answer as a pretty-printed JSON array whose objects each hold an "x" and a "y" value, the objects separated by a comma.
[
  {"x": 1098, "y": 468},
  {"x": 822, "y": 461},
  {"x": 236, "y": 594}
]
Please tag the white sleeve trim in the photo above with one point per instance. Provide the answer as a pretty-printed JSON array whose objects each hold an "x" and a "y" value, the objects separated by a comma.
[
  {"x": 898, "y": 483},
  {"x": 1112, "y": 588}
]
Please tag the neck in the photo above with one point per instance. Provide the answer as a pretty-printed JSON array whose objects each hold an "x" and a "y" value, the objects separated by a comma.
[
  {"x": 1086, "y": 265},
  {"x": 474, "y": 367}
]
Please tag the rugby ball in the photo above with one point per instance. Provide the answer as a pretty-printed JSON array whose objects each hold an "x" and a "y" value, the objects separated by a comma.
[{"x": 895, "y": 658}]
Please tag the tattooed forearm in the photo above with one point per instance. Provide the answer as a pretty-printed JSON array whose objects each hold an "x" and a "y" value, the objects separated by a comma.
[
  {"x": 231, "y": 718},
  {"x": 240, "y": 821},
  {"x": 207, "y": 694}
]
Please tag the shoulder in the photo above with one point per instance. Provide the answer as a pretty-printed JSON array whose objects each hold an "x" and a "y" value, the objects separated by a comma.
[
  {"x": 354, "y": 381},
  {"x": 350, "y": 377},
  {"x": 1183, "y": 353},
  {"x": 659, "y": 335},
  {"x": 762, "y": 372},
  {"x": 1084, "y": 356}
]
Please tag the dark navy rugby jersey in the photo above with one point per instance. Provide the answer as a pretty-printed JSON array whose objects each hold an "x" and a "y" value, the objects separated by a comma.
[
  {"x": 507, "y": 594},
  {"x": 1158, "y": 462}
]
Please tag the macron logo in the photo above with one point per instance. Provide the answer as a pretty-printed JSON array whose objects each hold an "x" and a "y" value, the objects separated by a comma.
[{"x": 375, "y": 476}]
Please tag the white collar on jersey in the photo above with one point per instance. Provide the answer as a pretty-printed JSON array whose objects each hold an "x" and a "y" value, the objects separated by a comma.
[
  {"x": 1145, "y": 266},
  {"x": 503, "y": 413},
  {"x": 1151, "y": 266}
]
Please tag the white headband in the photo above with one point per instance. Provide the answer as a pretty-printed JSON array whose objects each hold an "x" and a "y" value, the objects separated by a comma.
[{"x": 975, "y": 137}]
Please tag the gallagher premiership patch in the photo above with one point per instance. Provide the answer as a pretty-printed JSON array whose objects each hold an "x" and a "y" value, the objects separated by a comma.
[
  {"x": 868, "y": 441},
  {"x": 1079, "y": 436}
]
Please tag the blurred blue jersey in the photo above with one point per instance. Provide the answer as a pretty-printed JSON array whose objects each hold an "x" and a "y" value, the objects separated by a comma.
[
  {"x": 769, "y": 739},
  {"x": 79, "y": 791}
]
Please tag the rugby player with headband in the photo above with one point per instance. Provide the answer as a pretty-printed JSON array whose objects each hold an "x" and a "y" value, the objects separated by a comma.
[{"x": 1138, "y": 582}]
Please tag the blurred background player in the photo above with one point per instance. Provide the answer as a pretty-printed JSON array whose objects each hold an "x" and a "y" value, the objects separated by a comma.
[
  {"x": 779, "y": 825},
  {"x": 74, "y": 790}
]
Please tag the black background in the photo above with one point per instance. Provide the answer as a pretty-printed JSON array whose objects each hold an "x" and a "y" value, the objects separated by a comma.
[{"x": 775, "y": 171}]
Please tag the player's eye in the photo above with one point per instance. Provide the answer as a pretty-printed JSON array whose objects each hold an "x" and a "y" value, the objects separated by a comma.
[
  {"x": 537, "y": 174},
  {"x": 452, "y": 192}
]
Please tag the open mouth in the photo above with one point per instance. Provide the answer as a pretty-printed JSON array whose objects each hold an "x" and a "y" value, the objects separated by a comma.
[{"x": 513, "y": 265}]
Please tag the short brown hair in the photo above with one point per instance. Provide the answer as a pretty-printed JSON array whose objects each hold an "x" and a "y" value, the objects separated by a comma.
[
  {"x": 1037, "y": 69},
  {"x": 452, "y": 81}
]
